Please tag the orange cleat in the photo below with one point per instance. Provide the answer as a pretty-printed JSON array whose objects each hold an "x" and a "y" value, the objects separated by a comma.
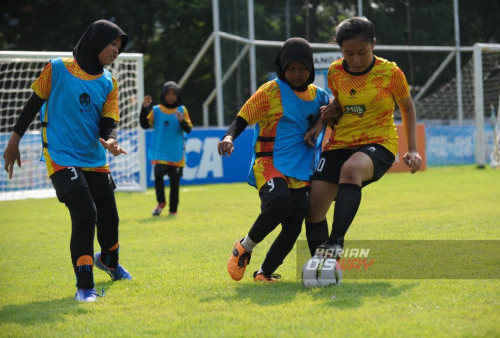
[
  {"x": 238, "y": 261},
  {"x": 260, "y": 277}
]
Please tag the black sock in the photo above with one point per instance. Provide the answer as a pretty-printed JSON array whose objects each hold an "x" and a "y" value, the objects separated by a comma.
[
  {"x": 316, "y": 234},
  {"x": 84, "y": 277},
  {"x": 346, "y": 207},
  {"x": 110, "y": 257}
]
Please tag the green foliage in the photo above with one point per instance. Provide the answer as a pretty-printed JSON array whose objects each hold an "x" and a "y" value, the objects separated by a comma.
[
  {"x": 170, "y": 33},
  {"x": 181, "y": 287}
]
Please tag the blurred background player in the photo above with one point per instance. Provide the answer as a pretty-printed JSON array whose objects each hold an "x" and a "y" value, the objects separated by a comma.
[
  {"x": 364, "y": 142},
  {"x": 283, "y": 110},
  {"x": 170, "y": 120},
  {"x": 78, "y": 124}
]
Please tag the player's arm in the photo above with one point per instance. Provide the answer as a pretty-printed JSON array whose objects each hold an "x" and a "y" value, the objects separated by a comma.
[
  {"x": 11, "y": 153},
  {"x": 145, "y": 110},
  {"x": 110, "y": 115},
  {"x": 401, "y": 92},
  {"x": 185, "y": 120},
  {"x": 254, "y": 110},
  {"x": 226, "y": 147},
  {"x": 312, "y": 134},
  {"x": 411, "y": 158},
  {"x": 319, "y": 125},
  {"x": 333, "y": 110},
  {"x": 107, "y": 128}
]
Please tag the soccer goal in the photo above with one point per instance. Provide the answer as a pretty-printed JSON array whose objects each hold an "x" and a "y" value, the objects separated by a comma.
[
  {"x": 18, "y": 70},
  {"x": 479, "y": 104},
  {"x": 486, "y": 99}
]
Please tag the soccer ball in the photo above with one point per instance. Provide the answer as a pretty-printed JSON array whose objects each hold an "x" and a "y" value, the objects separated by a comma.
[{"x": 321, "y": 272}]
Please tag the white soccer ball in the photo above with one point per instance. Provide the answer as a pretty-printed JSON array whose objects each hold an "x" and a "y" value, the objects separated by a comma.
[{"x": 320, "y": 272}]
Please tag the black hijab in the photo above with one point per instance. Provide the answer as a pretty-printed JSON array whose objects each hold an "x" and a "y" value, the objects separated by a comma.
[
  {"x": 295, "y": 49},
  {"x": 97, "y": 36},
  {"x": 171, "y": 85}
]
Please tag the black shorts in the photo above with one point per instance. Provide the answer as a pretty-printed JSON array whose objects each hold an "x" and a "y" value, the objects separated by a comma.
[
  {"x": 279, "y": 187},
  {"x": 71, "y": 178},
  {"x": 164, "y": 169},
  {"x": 331, "y": 162}
]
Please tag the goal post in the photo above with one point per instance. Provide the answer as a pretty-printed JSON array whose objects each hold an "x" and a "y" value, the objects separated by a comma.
[
  {"x": 18, "y": 70},
  {"x": 485, "y": 95}
]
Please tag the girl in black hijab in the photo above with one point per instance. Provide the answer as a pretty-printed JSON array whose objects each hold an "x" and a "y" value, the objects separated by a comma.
[
  {"x": 78, "y": 125},
  {"x": 295, "y": 49},
  {"x": 282, "y": 110},
  {"x": 97, "y": 36},
  {"x": 170, "y": 120},
  {"x": 164, "y": 91}
]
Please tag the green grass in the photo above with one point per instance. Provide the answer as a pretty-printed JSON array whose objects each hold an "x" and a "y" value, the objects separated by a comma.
[{"x": 181, "y": 287}]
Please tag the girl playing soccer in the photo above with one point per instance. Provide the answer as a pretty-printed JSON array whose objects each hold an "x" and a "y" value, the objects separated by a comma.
[
  {"x": 170, "y": 120},
  {"x": 282, "y": 110},
  {"x": 78, "y": 124},
  {"x": 363, "y": 143}
]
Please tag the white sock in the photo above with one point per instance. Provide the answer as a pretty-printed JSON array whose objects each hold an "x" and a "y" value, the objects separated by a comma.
[{"x": 248, "y": 244}]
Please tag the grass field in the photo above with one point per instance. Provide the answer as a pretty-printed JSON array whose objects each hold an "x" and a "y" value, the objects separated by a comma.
[{"x": 181, "y": 287}]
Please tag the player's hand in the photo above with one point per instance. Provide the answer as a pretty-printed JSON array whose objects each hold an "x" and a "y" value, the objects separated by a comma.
[
  {"x": 112, "y": 145},
  {"x": 11, "y": 154},
  {"x": 148, "y": 100},
  {"x": 312, "y": 134},
  {"x": 226, "y": 147},
  {"x": 178, "y": 115},
  {"x": 413, "y": 160},
  {"x": 331, "y": 112}
]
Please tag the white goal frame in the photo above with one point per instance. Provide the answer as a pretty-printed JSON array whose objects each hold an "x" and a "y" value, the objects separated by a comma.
[
  {"x": 479, "y": 49},
  {"x": 250, "y": 43},
  {"x": 137, "y": 181}
]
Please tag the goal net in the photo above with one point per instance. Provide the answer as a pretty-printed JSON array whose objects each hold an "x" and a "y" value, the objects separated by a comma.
[
  {"x": 18, "y": 70},
  {"x": 480, "y": 103},
  {"x": 486, "y": 101}
]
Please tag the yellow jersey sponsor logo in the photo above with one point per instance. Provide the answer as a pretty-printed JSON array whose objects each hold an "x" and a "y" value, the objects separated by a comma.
[{"x": 355, "y": 109}]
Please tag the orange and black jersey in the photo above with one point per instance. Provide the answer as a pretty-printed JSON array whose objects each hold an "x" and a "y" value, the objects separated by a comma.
[
  {"x": 368, "y": 103},
  {"x": 264, "y": 108}
]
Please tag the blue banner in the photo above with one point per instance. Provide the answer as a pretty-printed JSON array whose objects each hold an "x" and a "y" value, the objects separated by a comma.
[
  {"x": 203, "y": 162},
  {"x": 445, "y": 145},
  {"x": 454, "y": 145}
]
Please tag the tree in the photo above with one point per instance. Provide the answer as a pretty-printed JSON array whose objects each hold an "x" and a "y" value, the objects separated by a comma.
[{"x": 170, "y": 33}]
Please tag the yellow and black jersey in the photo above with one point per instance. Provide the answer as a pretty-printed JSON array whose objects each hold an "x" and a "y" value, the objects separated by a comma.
[{"x": 368, "y": 103}]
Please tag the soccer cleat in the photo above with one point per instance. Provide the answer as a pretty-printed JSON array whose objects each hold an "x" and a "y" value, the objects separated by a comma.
[
  {"x": 172, "y": 213},
  {"x": 261, "y": 277},
  {"x": 87, "y": 295},
  {"x": 116, "y": 274},
  {"x": 329, "y": 250},
  {"x": 158, "y": 209},
  {"x": 238, "y": 261}
]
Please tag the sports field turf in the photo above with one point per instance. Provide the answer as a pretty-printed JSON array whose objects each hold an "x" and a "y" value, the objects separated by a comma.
[{"x": 181, "y": 287}]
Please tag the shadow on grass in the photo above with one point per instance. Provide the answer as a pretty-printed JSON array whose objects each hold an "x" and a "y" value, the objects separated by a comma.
[
  {"x": 39, "y": 312},
  {"x": 348, "y": 295},
  {"x": 354, "y": 294},
  {"x": 157, "y": 219}
]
